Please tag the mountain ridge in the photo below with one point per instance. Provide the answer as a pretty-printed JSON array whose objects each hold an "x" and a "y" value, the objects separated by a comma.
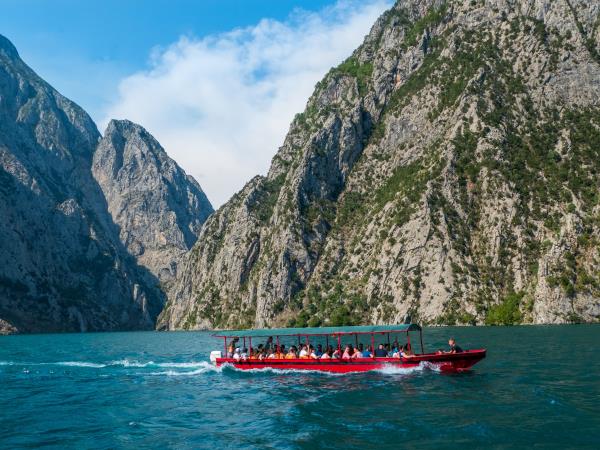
[
  {"x": 411, "y": 182},
  {"x": 62, "y": 265}
]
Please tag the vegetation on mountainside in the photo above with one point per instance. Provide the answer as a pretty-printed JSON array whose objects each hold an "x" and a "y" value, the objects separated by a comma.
[
  {"x": 362, "y": 72},
  {"x": 507, "y": 311}
]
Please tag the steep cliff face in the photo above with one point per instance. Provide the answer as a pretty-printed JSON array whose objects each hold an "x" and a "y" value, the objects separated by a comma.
[
  {"x": 449, "y": 169},
  {"x": 158, "y": 208},
  {"x": 62, "y": 267}
]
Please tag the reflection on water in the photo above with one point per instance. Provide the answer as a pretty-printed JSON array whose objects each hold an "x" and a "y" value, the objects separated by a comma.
[{"x": 157, "y": 390}]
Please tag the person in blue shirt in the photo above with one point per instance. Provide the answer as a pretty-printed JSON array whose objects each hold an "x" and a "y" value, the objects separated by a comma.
[
  {"x": 381, "y": 352},
  {"x": 366, "y": 353},
  {"x": 319, "y": 351}
]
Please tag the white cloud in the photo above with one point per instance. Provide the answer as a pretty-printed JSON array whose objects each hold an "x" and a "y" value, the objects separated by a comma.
[{"x": 221, "y": 105}]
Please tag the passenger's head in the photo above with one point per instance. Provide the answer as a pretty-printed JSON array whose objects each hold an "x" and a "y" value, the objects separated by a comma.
[
  {"x": 319, "y": 347},
  {"x": 245, "y": 350},
  {"x": 360, "y": 346},
  {"x": 451, "y": 341},
  {"x": 380, "y": 346}
]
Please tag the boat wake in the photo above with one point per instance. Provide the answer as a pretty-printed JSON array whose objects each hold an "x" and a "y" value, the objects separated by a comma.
[{"x": 194, "y": 368}]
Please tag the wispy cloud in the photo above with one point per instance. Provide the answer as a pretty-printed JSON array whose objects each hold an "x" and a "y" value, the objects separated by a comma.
[{"x": 222, "y": 105}]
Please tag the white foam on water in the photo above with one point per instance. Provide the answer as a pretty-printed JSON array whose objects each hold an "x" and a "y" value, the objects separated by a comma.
[
  {"x": 172, "y": 365},
  {"x": 6, "y": 363},
  {"x": 185, "y": 365},
  {"x": 394, "y": 369},
  {"x": 77, "y": 364},
  {"x": 132, "y": 363},
  {"x": 202, "y": 367}
]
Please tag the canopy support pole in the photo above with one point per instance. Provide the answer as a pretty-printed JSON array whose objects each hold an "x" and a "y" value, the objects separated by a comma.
[
  {"x": 326, "y": 342},
  {"x": 421, "y": 336},
  {"x": 339, "y": 343},
  {"x": 356, "y": 340},
  {"x": 408, "y": 339},
  {"x": 278, "y": 348},
  {"x": 250, "y": 349},
  {"x": 372, "y": 345},
  {"x": 225, "y": 339},
  {"x": 244, "y": 343}
]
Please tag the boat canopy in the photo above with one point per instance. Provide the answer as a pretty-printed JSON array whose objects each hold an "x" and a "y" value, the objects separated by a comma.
[{"x": 324, "y": 331}]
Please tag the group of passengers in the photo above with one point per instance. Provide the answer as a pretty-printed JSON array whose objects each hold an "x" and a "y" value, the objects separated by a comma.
[{"x": 271, "y": 351}]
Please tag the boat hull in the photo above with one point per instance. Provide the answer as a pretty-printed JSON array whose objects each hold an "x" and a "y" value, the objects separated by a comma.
[{"x": 445, "y": 362}]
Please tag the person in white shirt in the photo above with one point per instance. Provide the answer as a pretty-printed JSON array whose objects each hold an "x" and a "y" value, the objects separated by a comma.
[
  {"x": 236, "y": 354},
  {"x": 328, "y": 353},
  {"x": 303, "y": 353}
]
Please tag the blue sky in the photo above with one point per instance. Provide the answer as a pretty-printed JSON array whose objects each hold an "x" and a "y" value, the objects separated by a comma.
[
  {"x": 73, "y": 43},
  {"x": 216, "y": 82}
]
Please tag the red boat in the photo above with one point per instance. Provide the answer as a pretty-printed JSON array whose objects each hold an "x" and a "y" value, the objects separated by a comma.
[{"x": 370, "y": 335}]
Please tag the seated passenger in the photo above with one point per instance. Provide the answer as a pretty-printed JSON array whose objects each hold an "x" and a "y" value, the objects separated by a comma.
[
  {"x": 244, "y": 354},
  {"x": 327, "y": 354},
  {"x": 273, "y": 354},
  {"x": 407, "y": 352},
  {"x": 347, "y": 352},
  {"x": 454, "y": 348},
  {"x": 368, "y": 353},
  {"x": 357, "y": 353},
  {"x": 337, "y": 354},
  {"x": 381, "y": 352},
  {"x": 304, "y": 352},
  {"x": 319, "y": 351},
  {"x": 253, "y": 354},
  {"x": 236, "y": 354},
  {"x": 311, "y": 352},
  {"x": 292, "y": 354}
]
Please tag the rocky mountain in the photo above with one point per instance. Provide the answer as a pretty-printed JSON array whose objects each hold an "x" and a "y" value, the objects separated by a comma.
[
  {"x": 449, "y": 169},
  {"x": 62, "y": 264},
  {"x": 157, "y": 207}
]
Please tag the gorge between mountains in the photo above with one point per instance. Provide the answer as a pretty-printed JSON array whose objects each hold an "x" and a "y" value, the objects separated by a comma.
[{"x": 449, "y": 169}]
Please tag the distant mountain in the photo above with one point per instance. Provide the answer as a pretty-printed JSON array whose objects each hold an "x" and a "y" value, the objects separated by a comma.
[
  {"x": 158, "y": 208},
  {"x": 449, "y": 169},
  {"x": 62, "y": 264}
]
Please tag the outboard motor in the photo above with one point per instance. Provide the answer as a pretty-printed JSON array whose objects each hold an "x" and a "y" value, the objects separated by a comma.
[{"x": 214, "y": 355}]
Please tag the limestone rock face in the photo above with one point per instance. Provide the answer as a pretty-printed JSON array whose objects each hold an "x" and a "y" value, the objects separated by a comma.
[
  {"x": 449, "y": 169},
  {"x": 158, "y": 208},
  {"x": 62, "y": 266}
]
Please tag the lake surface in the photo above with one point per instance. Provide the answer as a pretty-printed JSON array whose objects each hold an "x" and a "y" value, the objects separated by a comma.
[{"x": 539, "y": 386}]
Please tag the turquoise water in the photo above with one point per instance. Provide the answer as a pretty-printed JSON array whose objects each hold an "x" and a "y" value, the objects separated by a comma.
[{"x": 538, "y": 386}]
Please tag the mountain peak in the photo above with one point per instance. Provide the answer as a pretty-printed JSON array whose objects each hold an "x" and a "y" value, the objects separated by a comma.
[
  {"x": 158, "y": 207},
  {"x": 8, "y": 47}
]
